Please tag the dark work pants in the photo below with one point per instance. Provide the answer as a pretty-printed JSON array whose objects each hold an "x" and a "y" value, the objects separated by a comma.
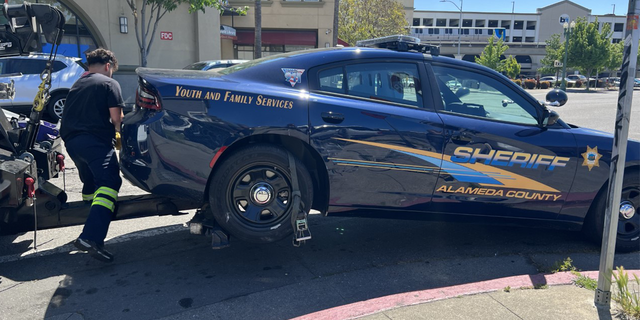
[{"x": 100, "y": 174}]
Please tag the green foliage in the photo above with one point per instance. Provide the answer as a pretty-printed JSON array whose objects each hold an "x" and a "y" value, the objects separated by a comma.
[
  {"x": 566, "y": 265},
  {"x": 554, "y": 51},
  {"x": 626, "y": 297},
  {"x": 511, "y": 67},
  {"x": 589, "y": 48},
  {"x": 584, "y": 281},
  {"x": 490, "y": 56},
  {"x": 367, "y": 19},
  {"x": 615, "y": 56},
  {"x": 507, "y": 289},
  {"x": 147, "y": 15}
]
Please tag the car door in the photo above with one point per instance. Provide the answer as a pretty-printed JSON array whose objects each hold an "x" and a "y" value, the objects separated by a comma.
[
  {"x": 498, "y": 160},
  {"x": 26, "y": 74},
  {"x": 378, "y": 135}
]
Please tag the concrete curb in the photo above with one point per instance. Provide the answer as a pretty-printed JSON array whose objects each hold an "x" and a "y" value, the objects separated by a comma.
[{"x": 368, "y": 307}]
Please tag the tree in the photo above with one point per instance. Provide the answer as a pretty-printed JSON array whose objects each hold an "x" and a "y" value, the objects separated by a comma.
[
  {"x": 615, "y": 56},
  {"x": 490, "y": 56},
  {"x": 588, "y": 47},
  {"x": 511, "y": 67},
  {"x": 554, "y": 51},
  {"x": 156, "y": 9},
  {"x": 257, "y": 43},
  {"x": 366, "y": 19}
]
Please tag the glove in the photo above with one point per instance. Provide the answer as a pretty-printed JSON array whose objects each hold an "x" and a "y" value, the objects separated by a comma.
[{"x": 117, "y": 141}]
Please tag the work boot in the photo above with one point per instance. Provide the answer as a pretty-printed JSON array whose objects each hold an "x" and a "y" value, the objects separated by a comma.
[{"x": 96, "y": 251}]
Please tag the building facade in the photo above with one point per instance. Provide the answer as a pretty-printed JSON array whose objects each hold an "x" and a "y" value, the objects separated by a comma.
[{"x": 524, "y": 33}]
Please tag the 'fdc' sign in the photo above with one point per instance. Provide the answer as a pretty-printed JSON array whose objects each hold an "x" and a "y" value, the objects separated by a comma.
[{"x": 166, "y": 35}]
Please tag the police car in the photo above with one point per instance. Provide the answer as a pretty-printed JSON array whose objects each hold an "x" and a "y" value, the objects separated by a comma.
[{"x": 376, "y": 130}]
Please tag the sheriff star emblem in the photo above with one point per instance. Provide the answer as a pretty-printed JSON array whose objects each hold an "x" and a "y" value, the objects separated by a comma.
[{"x": 591, "y": 158}]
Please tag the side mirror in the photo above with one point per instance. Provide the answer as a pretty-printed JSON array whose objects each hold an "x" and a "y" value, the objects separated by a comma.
[
  {"x": 550, "y": 118},
  {"x": 556, "y": 98}
]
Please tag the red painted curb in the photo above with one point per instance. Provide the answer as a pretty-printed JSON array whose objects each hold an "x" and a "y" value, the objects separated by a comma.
[{"x": 367, "y": 307}]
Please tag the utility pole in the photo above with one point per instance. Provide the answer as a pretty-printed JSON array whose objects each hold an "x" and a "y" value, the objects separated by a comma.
[{"x": 618, "y": 154}]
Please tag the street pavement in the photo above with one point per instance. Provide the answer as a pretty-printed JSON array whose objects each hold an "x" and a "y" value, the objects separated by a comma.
[{"x": 352, "y": 268}]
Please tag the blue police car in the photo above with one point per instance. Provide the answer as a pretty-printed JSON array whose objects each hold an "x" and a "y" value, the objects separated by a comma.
[{"x": 392, "y": 131}]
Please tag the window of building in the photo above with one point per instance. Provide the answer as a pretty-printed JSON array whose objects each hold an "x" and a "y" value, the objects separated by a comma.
[
  {"x": 531, "y": 25},
  {"x": 493, "y": 23},
  {"x": 518, "y": 25},
  {"x": 416, "y": 22},
  {"x": 434, "y": 31},
  {"x": 467, "y": 23},
  {"x": 393, "y": 82},
  {"x": 454, "y": 22},
  {"x": 477, "y": 31},
  {"x": 616, "y": 40},
  {"x": 441, "y": 22},
  {"x": 618, "y": 27},
  {"x": 517, "y": 39},
  {"x": 505, "y": 24},
  {"x": 523, "y": 59},
  {"x": 428, "y": 22},
  {"x": 530, "y": 39},
  {"x": 480, "y": 23}
]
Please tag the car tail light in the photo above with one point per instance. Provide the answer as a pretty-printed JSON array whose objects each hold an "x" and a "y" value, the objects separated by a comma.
[{"x": 147, "y": 99}]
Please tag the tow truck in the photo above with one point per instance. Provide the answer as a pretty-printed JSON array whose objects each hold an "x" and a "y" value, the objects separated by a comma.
[{"x": 28, "y": 201}]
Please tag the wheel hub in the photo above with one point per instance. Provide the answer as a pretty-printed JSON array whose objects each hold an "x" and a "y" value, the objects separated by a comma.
[
  {"x": 261, "y": 193},
  {"x": 627, "y": 210}
]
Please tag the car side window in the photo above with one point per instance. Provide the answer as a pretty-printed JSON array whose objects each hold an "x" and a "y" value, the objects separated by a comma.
[
  {"x": 58, "y": 65},
  {"x": 479, "y": 95},
  {"x": 332, "y": 80},
  {"x": 26, "y": 66},
  {"x": 393, "y": 82}
]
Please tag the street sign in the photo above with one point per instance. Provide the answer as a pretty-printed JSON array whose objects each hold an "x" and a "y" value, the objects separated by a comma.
[
  {"x": 564, "y": 18},
  {"x": 166, "y": 35},
  {"x": 557, "y": 64}
]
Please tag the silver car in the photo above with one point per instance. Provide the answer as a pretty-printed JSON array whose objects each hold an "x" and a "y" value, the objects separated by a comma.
[{"x": 25, "y": 72}]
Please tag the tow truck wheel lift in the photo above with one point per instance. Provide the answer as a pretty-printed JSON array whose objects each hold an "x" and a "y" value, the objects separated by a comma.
[{"x": 28, "y": 201}]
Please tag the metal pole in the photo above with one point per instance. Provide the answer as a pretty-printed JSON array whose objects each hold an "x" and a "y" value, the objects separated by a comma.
[
  {"x": 567, "y": 33},
  {"x": 460, "y": 29},
  {"x": 618, "y": 155}
]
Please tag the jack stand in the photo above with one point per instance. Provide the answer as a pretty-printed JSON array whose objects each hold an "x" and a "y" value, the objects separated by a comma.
[
  {"x": 31, "y": 201},
  {"x": 199, "y": 224}
]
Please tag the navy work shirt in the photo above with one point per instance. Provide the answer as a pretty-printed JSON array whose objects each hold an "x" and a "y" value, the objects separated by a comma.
[{"x": 86, "y": 110}]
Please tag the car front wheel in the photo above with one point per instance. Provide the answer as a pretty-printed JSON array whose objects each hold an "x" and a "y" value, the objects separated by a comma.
[{"x": 251, "y": 193}]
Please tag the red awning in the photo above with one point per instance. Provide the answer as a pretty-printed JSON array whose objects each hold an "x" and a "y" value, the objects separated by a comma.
[
  {"x": 272, "y": 37},
  {"x": 340, "y": 41}
]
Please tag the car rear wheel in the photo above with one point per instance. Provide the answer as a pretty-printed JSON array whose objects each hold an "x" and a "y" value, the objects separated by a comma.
[
  {"x": 628, "y": 230},
  {"x": 56, "y": 105},
  {"x": 251, "y": 193}
]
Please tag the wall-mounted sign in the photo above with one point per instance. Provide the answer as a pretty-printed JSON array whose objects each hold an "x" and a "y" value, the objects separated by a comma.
[
  {"x": 166, "y": 35},
  {"x": 564, "y": 18},
  {"x": 227, "y": 32}
]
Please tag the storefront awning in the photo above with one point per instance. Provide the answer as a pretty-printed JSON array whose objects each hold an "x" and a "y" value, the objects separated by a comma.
[{"x": 279, "y": 37}]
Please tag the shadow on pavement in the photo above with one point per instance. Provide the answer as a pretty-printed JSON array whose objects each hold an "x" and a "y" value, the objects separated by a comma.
[{"x": 348, "y": 260}]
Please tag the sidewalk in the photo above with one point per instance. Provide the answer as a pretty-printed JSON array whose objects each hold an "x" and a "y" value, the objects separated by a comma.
[{"x": 556, "y": 298}]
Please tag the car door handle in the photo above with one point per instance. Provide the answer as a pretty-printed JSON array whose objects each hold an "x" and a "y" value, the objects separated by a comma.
[
  {"x": 332, "y": 117},
  {"x": 461, "y": 138}
]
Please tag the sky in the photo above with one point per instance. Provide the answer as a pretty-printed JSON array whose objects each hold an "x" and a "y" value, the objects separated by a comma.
[{"x": 520, "y": 6}]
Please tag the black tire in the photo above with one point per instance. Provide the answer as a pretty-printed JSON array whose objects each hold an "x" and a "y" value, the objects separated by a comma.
[
  {"x": 56, "y": 105},
  {"x": 628, "y": 236},
  {"x": 240, "y": 181}
]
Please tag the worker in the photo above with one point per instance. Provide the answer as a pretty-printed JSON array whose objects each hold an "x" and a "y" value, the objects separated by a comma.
[{"x": 90, "y": 129}]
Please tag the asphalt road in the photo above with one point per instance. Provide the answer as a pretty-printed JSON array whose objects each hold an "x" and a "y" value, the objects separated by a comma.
[{"x": 161, "y": 271}]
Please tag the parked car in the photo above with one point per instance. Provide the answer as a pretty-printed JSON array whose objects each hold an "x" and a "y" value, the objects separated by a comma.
[
  {"x": 576, "y": 77},
  {"x": 26, "y": 70},
  {"x": 212, "y": 64},
  {"x": 549, "y": 78},
  {"x": 339, "y": 127}
]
